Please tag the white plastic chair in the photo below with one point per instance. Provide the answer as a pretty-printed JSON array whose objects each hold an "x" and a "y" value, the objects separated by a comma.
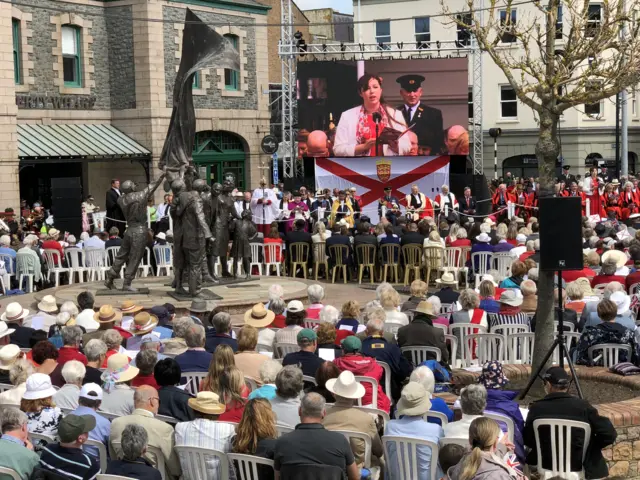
[
  {"x": 437, "y": 415},
  {"x": 463, "y": 442},
  {"x": 34, "y": 437},
  {"x": 10, "y": 267},
  {"x": 311, "y": 323},
  {"x": 75, "y": 264},
  {"x": 54, "y": 264},
  {"x": 102, "y": 450},
  {"x": 464, "y": 329},
  {"x": 255, "y": 256},
  {"x": 193, "y": 381},
  {"x": 568, "y": 327},
  {"x": 374, "y": 389},
  {"x": 451, "y": 263},
  {"x": 508, "y": 421},
  {"x": 309, "y": 379},
  {"x": 281, "y": 349},
  {"x": 502, "y": 261},
  {"x": 387, "y": 377},
  {"x": 10, "y": 472},
  {"x": 392, "y": 328},
  {"x": 26, "y": 269},
  {"x": 246, "y": 466},
  {"x": 490, "y": 346},
  {"x": 164, "y": 259},
  {"x": 4, "y": 387},
  {"x": 95, "y": 262},
  {"x": 273, "y": 251},
  {"x": 377, "y": 412},
  {"x": 482, "y": 260},
  {"x": 405, "y": 452},
  {"x": 452, "y": 340},
  {"x": 145, "y": 264},
  {"x": 283, "y": 429},
  {"x": 610, "y": 353},
  {"x": 365, "y": 437},
  {"x": 421, "y": 354},
  {"x": 520, "y": 347},
  {"x": 561, "y": 441}
]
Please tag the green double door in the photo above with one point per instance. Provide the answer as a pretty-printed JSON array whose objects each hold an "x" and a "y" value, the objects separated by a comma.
[{"x": 219, "y": 155}]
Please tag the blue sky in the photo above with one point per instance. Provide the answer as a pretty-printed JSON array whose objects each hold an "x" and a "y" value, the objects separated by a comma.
[{"x": 342, "y": 6}]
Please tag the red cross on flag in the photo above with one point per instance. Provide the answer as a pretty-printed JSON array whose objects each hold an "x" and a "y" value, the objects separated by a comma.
[{"x": 371, "y": 174}]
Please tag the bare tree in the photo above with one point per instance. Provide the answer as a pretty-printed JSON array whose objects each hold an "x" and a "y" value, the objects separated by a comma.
[{"x": 556, "y": 63}]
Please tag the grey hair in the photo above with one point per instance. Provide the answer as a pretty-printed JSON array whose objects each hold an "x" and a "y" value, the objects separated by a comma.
[
  {"x": 593, "y": 241},
  {"x": 424, "y": 376},
  {"x": 134, "y": 441},
  {"x": 275, "y": 291},
  {"x": 73, "y": 372},
  {"x": 70, "y": 308},
  {"x": 329, "y": 314},
  {"x": 312, "y": 405},
  {"x": 381, "y": 288},
  {"x": 277, "y": 306},
  {"x": 315, "y": 293},
  {"x": 20, "y": 371},
  {"x": 150, "y": 345},
  {"x": 289, "y": 382},
  {"x": 146, "y": 360},
  {"x": 112, "y": 339},
  {"x": 62, "y": 318},
  {"x": 609, "y": 267},
  {"x": 628, "y": 184},
  {"x": 195, "y": 336},
  {"x": 5, "y": 240},
  {"x": 221, "y": 322},
  {"x": 613, "y": 287},
  {"x": 536, "y": 244},
  {"x": 530, "y": 246},
  {"x": 469, "y": 299},
  {"x": 375, "y": 325},
  {"x": 269, "y": 370},
  {"x": 12, "y": 419},
  {"x": 374, "y": 313},
  {"x": 72, "y": 335},
  {"x": 181, "y": 325},
  {"x": 485, "y": 228},
  {"x": 462, "y": 233},
  {"x": 94, "y": 349},
  {"x": 533, "y": 274},
  {"x": 435, "y": 302},
  {"x": 473, "y": 399}
]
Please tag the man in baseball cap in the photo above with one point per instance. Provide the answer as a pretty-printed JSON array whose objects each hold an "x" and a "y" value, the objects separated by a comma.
[
  {"x": 89, "y": 401},
  {"x": 559, "y": 404},
  {"x": 306, "y": 358},
  {"x": 67, "y": 457}
]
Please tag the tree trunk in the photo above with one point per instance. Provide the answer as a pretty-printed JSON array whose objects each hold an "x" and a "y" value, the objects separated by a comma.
[{"x": 547, "y": 151}]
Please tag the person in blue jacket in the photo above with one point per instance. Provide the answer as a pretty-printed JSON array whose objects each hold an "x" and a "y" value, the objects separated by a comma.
[{"x": 503, "y": 402}]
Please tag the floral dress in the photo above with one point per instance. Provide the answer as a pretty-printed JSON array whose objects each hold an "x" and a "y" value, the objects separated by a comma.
[
  {"x": 606, "y": 333},
  {"x": 46, "y": 422}
]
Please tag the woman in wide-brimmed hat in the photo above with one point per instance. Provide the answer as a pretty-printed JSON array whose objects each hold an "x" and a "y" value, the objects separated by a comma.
[
  {"x": 37, "y": 402},
  {"x": 118, "y": 394}
]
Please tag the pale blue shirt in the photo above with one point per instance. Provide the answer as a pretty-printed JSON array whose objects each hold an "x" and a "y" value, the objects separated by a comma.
[
  {"x": 100, "y": 433},
  {"x": 418, "y": 428}
]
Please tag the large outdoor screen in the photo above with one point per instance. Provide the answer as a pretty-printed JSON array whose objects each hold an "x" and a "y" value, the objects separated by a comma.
[{"x": 396, "y": 108}]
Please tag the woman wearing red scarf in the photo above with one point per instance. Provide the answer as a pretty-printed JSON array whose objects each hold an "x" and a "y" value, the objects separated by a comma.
[{"x": 356, "y": 131}]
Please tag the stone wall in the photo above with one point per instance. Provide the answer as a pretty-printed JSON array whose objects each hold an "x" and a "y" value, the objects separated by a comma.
[
  {"x": 214, "y": 98},
  {"x": 110, "y": 52}
]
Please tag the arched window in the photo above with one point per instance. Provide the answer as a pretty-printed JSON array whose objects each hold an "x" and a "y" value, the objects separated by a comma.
[{"x": 232, "y": 77}]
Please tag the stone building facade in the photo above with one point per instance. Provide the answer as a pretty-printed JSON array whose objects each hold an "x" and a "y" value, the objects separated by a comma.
[{"x": 119, "y": 70}]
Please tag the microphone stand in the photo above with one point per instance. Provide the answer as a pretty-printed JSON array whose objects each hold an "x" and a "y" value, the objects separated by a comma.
[{"x": 377, "y": 139}]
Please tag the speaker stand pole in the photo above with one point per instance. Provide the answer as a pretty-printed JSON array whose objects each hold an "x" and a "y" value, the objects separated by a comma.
[{"x": 559, "y": 342}]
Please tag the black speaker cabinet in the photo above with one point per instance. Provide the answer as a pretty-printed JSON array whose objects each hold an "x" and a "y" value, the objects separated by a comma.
[
  {"x": 560, "y": 233},
  {"x": 66, "y": 204}
]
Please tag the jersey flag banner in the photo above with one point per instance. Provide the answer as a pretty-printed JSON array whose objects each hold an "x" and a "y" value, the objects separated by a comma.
[{"x": 370, "y": 175}]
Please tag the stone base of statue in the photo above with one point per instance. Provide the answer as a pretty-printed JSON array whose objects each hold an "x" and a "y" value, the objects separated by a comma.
[
  {"x": 203, "y": 294},
  {"x": 119, "y": 292}
]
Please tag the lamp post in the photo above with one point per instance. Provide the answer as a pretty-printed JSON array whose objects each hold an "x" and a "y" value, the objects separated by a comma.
[{"x": 495, "y": 133}]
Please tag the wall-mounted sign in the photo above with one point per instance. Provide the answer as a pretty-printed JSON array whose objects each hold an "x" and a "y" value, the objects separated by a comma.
[{"x": 56, "y": 102}]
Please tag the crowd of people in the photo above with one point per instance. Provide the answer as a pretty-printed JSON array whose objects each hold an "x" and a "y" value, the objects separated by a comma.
[{"x": 123, "y": 376}]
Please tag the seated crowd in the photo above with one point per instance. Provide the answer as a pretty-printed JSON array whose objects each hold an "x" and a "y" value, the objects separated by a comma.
[{"x": 284, "y": 383}]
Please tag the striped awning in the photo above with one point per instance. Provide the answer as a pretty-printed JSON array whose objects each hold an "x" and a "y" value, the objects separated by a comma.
[{"x": 76, "y": 141}]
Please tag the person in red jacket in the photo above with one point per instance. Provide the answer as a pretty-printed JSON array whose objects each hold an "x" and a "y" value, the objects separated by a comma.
[
  {"x": 573, "y": 192},
  {"x": 607, "y": 274},
  {"x": 51, "y": 243},
  {"x": 72, "y": 338},
  {"x": 500, "y": 200},
  {"x": 353, "y": 360},
  {"x": 629, "y": 201}
]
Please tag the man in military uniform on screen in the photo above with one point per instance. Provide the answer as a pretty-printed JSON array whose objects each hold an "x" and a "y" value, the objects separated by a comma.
[{"x": 426, "y": 121}]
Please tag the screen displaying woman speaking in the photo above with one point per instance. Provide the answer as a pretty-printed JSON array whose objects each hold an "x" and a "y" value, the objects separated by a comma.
[{"x": 397, "y": 108}]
